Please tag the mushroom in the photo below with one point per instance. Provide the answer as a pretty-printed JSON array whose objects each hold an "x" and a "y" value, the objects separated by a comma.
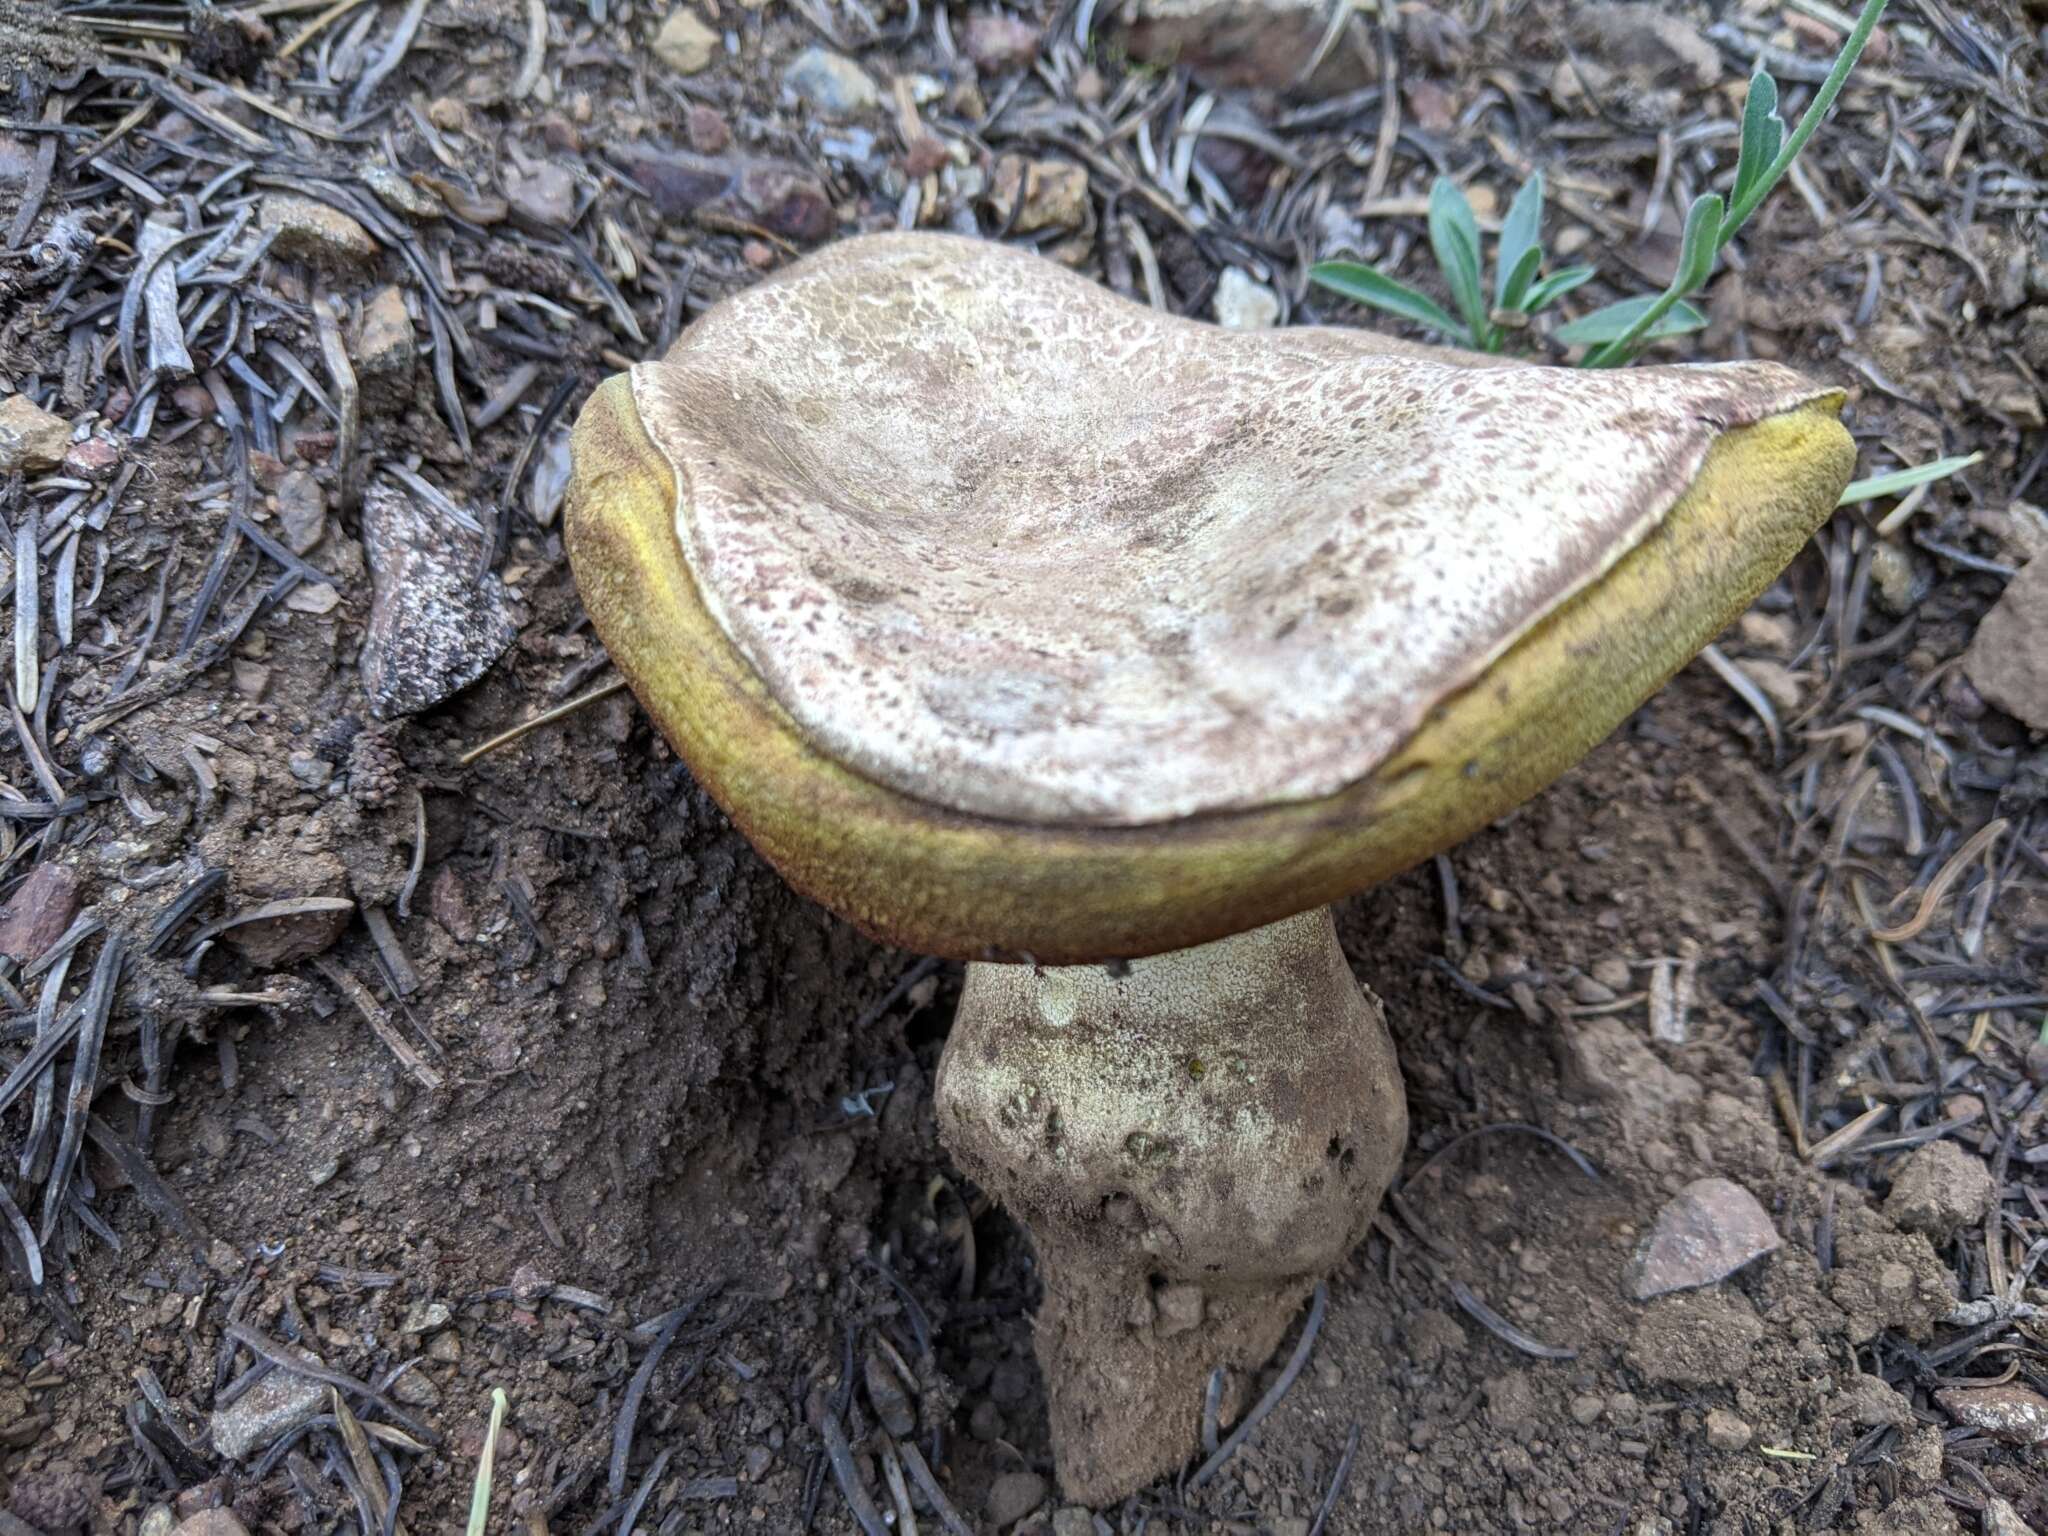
[{"x": 1103, "y": 650}]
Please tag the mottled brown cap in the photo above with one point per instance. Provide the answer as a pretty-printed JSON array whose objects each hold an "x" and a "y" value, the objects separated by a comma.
[{"x": 1080, "y": 630}]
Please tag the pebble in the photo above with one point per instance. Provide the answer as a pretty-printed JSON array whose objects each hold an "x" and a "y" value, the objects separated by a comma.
[
  {"x": 706, "y": 129},
  {"x": 986, "y": 1422},
  {"x": 2008, "y": 659},
  {"x": 311, "y": 231},
  {"x": 416, "y": 1389},
  {"x": 1590, "y": 992},
  {"x": 1938, "y": 1190},
  {"x": 831, "y": 84},
  {"x": 1870, "y": 1401},
  {"x": 758, "y": 1460},
  {"x": 1648, "y": 43},
  {"x": 2001, "y": 1519},
  {"x": 2014, "y": 1414},
  {"x": 1705, "y": 1233},
  {"x": 1586, "y": 1409},
  {"x": 38, "y": 912},
  {"x": 1229, "y": 45},
  {"x": 157, "y": 1520},
  {"x": 214, "y": 1522},
  {"x": 1055, "y": 194},
  {"x": 684, "y": 43},
  {"x": 301, "y": 511},
  {"x": 1011, "y": 1384},
  {"x": 31, "y": 438},
  {"x": 891, "y": 1403},
  {"x": 1726, "y": 1431},
  {"x": 997, "y": 42},
  {"x": 425, "y": 1317},
  {"x": 545, "y": 192},
  {"x": 1613, "y": 973},
  {"x": 1013, "y": 1496},
  {"x": 1073, "y": 1521},
  {"x": 782, "y": 197},
  {"x": 1776, "y": 681},
  {"x": 434, "y": 626},
  {"x": 1242, "y": 303},
  {"x": 311, "y": 771},
  {"x": 402, "y": 195},
  {"x": 281, "y": 1401},
  {"x": 445, "y": 1347}
]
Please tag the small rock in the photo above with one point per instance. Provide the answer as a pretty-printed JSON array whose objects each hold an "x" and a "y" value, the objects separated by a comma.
[
  {"x": 545, "y": 192},
  {"x": 424, "y": 1317},
  {"x": 758, "y": 1460},
  {"x": 891, "y": 1402},
  {"x": 986, "y": 1422},
  {"x": 706, "y": 129},
  {"x": 311, "y": 231},
  {"x": 1704, "y": 1339},
  {"x": 1705, "y": 1233},
  {"x": 1013, "y": 1496},
  {"x": 91, "y": 458},
  {"x": 830, "y": 84},
  {"x": 1055, "y": 194},
  {"x": 1073, "y": 1521},
  {"x": 57, "y": 1498},
  {"x": 279, "y": 1403},
  {"x": 1180, "y": 1309},
  {"x": 1244, "y": 304},
  {"x": 1897, "y": 578},
  {"x": 684, "y": 43},
  {"x": 997, "y": 42},
  {"x": 1939, "y": 1189},
  {"x": 445, "y": 1347},
  {"x": 402, "y": 195},
  {"x": 2008, "y": 659},
  {"x": 216, "y": 1521},
  {"x": 1773, "y": 632},
  {"x": 1777, "y": 682},
  {"x": 449, "y": 906},
  {"x": 157, "y": 1520},
  {"x": 434, "y": 627},
  {"x": 416, "y": 1389},
  {"x": 2001, "y": 1519},
  {"x": 38, "y": 912},
  {"x": 301, "y": 511},
  {"x": 786, "y": 201},
  {"x": 1590, "y": 992},
  {"x": 311, "y": 771},
  {"x": 1921, "y": 1454},
  {"x": 1612, "y": 972},
  {"x": 1648, "y": 43},
  {"x": 1870, "y": 1401},
  {"x": 31, "y": 438},
  {"x": 1726, "y": 1432},
  {"x": 1238, "y": 44},
  {"x": 2017, "y": 1415},
  {"x": 1586, "y": 1409}
]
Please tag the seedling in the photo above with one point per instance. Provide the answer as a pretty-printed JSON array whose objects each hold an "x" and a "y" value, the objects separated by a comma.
[{"x": 1617, "y": 333}]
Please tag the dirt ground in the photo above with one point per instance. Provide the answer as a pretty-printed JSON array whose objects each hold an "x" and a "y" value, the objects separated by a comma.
[{"x": 538, "y": 1079}]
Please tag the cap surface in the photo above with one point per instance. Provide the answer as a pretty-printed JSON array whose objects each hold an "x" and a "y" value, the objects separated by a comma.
[
  {"x": 1006, "y": 542},
  {"x": 1007, "y": 616}
]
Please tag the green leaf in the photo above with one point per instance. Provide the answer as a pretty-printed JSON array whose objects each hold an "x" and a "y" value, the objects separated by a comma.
[
  {"x": 1613, "y": 322},
  {"x": 1521, "y": 238},
  {"x": 1366, "y": 286},
  {"x": 1555, "y": 287},
  {"x": 1515, "y": 291},
  {"x": 1702, "y": 243},
  {"x": 1762, "y": 133},
  {"x": 1905, "y": 479},
  {"x": 1454, "y": 235}
]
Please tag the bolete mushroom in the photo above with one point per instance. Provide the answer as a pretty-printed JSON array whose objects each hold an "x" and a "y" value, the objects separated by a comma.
[{"x": 1102, "y": 649}]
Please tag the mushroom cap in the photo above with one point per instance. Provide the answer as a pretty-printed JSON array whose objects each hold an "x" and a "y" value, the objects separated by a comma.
[{"x": 1011, "y": 618}]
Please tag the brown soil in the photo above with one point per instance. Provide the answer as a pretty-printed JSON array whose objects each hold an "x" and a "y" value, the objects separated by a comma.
[{"x": 661, "y": 1075}]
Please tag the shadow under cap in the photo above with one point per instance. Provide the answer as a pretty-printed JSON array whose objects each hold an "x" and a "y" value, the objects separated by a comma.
[
  {"x": 925, "y": 872},
  {"x": 999, "y": 539}
]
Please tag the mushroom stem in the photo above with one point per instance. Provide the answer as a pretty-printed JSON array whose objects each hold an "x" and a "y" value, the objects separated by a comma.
[{"x": 1193, "y": 1141}]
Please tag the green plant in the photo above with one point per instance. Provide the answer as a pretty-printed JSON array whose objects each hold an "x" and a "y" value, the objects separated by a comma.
[
  {"x": 1617, "y": 333},
  {"x": 1454, "y": 234}
]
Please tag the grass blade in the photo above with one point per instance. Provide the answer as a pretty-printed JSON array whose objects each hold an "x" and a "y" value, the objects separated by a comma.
[
  {"x": 1454, "y": 235},
  {"x": 1905, "y": 479},
  {"x": 1363, "y": 285},
  {"x": 1521, "y": 245},
  {"x": 1619, "y": 320},
  {"x": 480, "y": 1498},
  {"x": 1554, "y": 287}
]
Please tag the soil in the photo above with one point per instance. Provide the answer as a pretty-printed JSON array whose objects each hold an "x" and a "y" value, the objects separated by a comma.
[{"x": 660, "y": 1081}]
